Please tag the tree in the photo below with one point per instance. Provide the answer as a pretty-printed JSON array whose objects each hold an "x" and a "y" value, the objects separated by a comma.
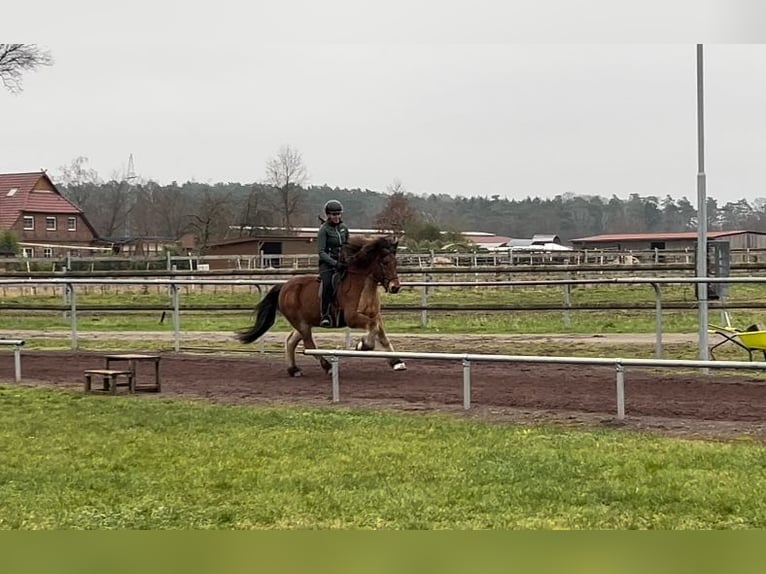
[
  {"x": 286, "y": 173},
  {"x": 209, "y": 218},
  {"x": 80, "y": 182},
  {"x": 256, "y": 212},
  {"x": 9, "y": 245},
  {"x": 397, "y": 213},
  {"x": 15, "y": 59}
]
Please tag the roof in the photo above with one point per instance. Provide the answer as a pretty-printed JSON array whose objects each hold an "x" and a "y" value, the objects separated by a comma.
[
  {"x": 683, "y": 235},
  {"x": 267, "y": 234},
  {"x": 19, "y": 194}
]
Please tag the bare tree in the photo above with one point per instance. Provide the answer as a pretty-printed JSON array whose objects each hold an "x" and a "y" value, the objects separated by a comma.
[
  {"x": 115, "y": 205},
  {"x": 165, "y": 207},
  {"x": 286, "y": 173},
  {"x": 15, "y": 59},
  {"x": 256, "y": 212},
  {"x": 80, "y": 182},
  {"x": 397, "y": 213},
  {"x": 209, "y": 219}
]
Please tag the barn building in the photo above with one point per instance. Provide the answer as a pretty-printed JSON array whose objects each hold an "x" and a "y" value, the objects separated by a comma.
[{"x": 737, "y": 240}]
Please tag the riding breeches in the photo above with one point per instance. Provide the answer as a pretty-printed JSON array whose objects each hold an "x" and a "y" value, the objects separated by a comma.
[{"x": 326, "y": 276}]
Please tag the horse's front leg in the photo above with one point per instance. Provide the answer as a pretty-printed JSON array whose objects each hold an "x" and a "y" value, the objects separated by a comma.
[
  {"x": 367, "y": 343},
  {"x": 396, "y": 363}
]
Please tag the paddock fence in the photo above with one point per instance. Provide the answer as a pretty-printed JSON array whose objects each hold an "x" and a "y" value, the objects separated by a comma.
[
  {"x": 467, "y": 359},
  {"x": 70, "y": 306}
]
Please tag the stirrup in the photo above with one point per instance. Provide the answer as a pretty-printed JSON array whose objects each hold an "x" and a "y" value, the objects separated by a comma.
[{"x": 325, "y": 322}]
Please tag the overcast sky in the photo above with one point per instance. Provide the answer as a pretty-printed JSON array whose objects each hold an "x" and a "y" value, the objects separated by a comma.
[{"x": 371, "y": 95}]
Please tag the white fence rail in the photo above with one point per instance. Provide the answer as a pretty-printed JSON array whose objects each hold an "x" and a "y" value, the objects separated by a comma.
[{"x": 467, "y": 359}]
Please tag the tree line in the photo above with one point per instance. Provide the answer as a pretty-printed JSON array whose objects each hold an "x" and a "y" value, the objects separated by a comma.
[{"x": 122, "y": 207}]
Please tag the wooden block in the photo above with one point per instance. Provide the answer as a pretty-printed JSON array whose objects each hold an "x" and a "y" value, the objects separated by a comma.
[{"x": 110, "y": 378}]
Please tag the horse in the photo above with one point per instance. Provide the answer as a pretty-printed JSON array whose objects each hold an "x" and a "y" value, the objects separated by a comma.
[{"x": 368, "y": 264}]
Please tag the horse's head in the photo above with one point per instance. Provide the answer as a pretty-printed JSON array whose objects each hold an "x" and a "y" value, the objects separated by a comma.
[{"x": 377, "y": 257}]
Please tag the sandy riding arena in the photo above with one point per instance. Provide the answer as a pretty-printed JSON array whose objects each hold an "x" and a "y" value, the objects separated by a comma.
[{"x": 680, "y": 403}]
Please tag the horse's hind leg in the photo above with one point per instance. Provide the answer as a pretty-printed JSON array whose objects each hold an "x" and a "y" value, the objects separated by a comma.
[
  {"x": 308, "y": 343},
  {"x": 290, "y": 345},
  {"x": 396, "y": 363}
]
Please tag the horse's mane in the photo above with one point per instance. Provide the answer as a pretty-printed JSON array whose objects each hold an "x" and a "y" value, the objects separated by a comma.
[{"x": 360, "y": 252}]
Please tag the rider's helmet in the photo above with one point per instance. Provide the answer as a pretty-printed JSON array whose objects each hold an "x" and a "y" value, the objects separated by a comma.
[{"x": 333, "y": 206}]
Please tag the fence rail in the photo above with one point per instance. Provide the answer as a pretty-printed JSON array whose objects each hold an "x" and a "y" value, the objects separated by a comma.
[
  {"x": 70, "y": 283},
  {"x": 515, "y": 258},
  {"x": 333, "y": 355}
]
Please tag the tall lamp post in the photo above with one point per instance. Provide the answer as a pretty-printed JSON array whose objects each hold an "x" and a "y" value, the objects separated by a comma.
[{"x": 702, "y": 288}]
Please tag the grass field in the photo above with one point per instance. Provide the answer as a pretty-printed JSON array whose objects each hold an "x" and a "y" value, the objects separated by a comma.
[{"x": 87, "y": 462}]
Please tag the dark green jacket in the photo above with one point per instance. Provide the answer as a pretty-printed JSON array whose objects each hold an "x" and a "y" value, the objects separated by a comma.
[{"x": 330, "y": 238}]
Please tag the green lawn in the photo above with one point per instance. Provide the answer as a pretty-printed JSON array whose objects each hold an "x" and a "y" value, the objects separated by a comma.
[{"x": 89, "y": 462}]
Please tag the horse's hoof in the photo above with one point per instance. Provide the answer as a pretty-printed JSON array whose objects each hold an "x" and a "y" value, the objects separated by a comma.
[
  {"x": 400, "y": 366},
  {"x": 294, "y": 372},
  {"x": 362, "y": 346}
]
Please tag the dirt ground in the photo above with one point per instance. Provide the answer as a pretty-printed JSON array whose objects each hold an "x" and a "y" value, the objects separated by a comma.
[{"x": 685, "y": 404}]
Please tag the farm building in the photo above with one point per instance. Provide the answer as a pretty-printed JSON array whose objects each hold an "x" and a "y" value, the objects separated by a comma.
[
  {"x": 45, "y": 223},
  {"x": 269, "y": 244},
  {"x": 538, "y": 242},
  {"x": 671, "y": 241}
]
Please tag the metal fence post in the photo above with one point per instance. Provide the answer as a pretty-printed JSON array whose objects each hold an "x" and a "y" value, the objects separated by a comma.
[
  {"x": 335, "y": 379},
  {"x": 658, "y": 352},
  {"x": 176, "y": 318},
  {"x": 424, "y": 302},
  {"x": 620, "y": 390},
  {"x": 17, "y": 362},
  {"x": 466, "y": 384},
  {"x": 73, "y": 313}
]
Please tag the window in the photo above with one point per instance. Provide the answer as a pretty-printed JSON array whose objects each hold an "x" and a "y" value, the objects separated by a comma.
[
  {"x": 50, "y": 224},
  {"x": 29, "y": 222},
  {"x": 28, "y": 252},
  {"x": 12, "y": 191},
  {"x": 71, "y": 224},
  {"x": 48, "y": 252}
]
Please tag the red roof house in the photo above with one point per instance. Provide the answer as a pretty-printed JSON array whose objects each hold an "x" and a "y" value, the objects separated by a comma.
[{"x": 45, "y": 223}]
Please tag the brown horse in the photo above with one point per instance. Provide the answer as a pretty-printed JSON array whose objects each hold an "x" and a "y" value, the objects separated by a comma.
[{"x": 369, "y": 263}]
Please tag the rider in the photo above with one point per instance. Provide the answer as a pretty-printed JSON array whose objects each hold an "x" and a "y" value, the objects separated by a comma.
[{"x": 332, "y": 235}]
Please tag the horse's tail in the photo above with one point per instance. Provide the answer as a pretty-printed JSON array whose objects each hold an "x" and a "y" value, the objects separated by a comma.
[{"x": 266, "y": 315}]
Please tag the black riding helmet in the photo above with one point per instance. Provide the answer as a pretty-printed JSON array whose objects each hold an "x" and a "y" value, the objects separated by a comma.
[{"x": 333, "y": 206}]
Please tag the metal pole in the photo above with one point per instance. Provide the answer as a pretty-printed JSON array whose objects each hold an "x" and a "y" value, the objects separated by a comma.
[
  {"x": 466, "y": 384},
  {"x": 335, "y": 379},
  {"x": 701, "y": 215},
  {"x": 657, "y": 321},
  {"x": 73, "y": 314},
  {"x": 620, "y": 391},
  {"x": 176, "y": 318},
  {"x": 17, "y": 362}
]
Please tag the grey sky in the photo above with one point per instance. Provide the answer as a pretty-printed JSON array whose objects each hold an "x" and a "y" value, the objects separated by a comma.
[{"x": 371, "y": 96}]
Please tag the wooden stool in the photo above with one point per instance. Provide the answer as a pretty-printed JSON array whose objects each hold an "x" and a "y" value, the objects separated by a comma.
[{"x": 111, "y": 379}]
